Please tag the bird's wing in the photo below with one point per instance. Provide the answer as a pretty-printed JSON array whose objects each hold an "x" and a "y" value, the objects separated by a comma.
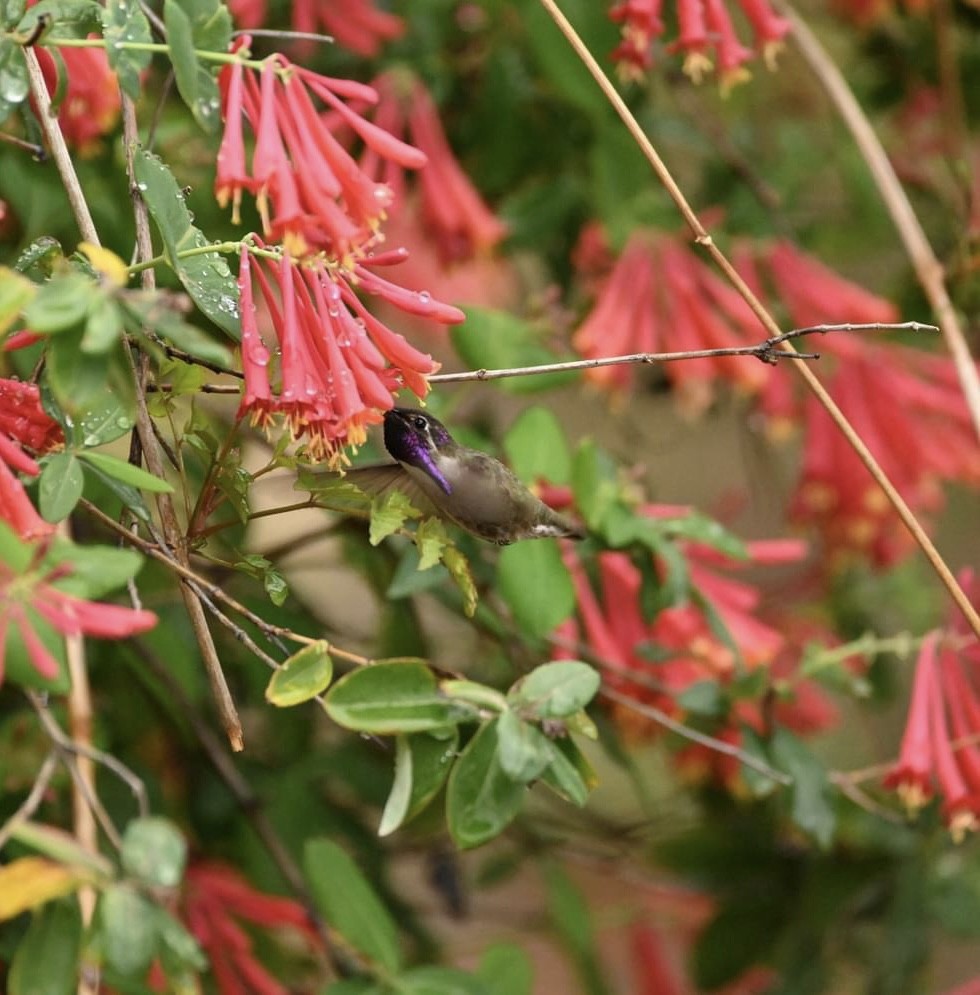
[{"x": 379, "y": 479}]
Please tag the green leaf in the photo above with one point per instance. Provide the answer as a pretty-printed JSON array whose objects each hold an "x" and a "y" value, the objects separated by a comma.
[
  {"x": 573, "y": 922},
  {"x": 408, "y": 580},
  {"x": 135, "y": 476},
  {"x": 154, "y": 851},
  {"x": 422, "y": 763},
  {"x": 498, "y": 340},
  {"x": 593, "y": 483},
  {"x": 61, "y": 303},
  {"x": 302, "y": 677},
  {"x": 459, "y": 569},
  {"x": 71, "y": 18},
  {"x": 536, "y": 586},
  {"x": 60, "y": 486},
  {"x": 556, "y": 690},
  {"x": 390, "y": 698},
  {"x": 16, "y": 292},
  {"x": 14, "y": 86},
  {"x": 536, "y": 447},
  {"x": 130, "y": 497},
  {"x": 128, "y": 930},
  {"x": 523, "y": 750},
  {"x": 428, "y": 980},
  {"x": 206, "y": 277},
  {"x": 95, "y": 570},
  {"x": 46, "y": 959},
  {"x": 349, "y": 904},
  {"x": 703, "y": 698},
  {"x": 505, "y": 969},
  {"x": 77, "y": 379},
  {"x": 388, "y": 514},
  {"x": 192, "y": 25},
  {"x": 37, "y": 261},
  {"x": 104, "y": 421},
  {"x": 431, "y": 540},
  {"x": 103, "y": 325},
  {"x": 179, "y": 949},
  {"x": 813, "y": 798},
  {"x": 124, "y": 21},
  {"x": 481, "y": 799},
  {"x": 569, "y": 774}
]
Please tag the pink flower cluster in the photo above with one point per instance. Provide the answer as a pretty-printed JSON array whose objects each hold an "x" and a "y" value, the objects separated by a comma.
[
  {"x": 939, "y": 753},
  {"x": 28, "y": 590},
  {"x": 659, "y": 296},
  {"x": 705, "y": 34},
  {"x": 333, "y": 355},
  {"x": 656, "y": 662}
]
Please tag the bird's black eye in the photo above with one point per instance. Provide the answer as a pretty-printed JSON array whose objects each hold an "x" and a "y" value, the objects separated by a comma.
[{"x": 419, "y": 422}]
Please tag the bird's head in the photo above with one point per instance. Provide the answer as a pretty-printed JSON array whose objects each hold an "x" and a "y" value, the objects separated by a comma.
[{"x": 416, "y": 438}]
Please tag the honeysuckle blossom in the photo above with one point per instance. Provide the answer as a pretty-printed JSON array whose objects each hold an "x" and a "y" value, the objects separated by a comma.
[
  {"x": 453, "y": 214},
  {"x": 90, "y": 105},
  {"x": 939, "y": 755},
  {"x": 357, "y": 25},
  {"x": 706, "y": 36},
  {"x": 216, "y": 900},
  {"x": 31, "y": 600},
  {"x": 338, "y": 365},
  {"x": 310, "y": 192},
  {"x": 656, "y": 662}
]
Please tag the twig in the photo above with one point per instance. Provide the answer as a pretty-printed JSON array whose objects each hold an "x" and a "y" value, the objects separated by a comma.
[
  {"x": 767, "y": 352},
  {"x": 224, "y": 703},
  {"x": 718, "y": 745},
  {"x": 213, "y": 590},
  {"x": 248, "y": 801},
  {"x": 59, "y": 150},
  {"x": 37, "y": 151},
  {"x": 704, "y": 239},
  {"x": 67, "y": 749},
  {"x": 285, "y": 35},
  {"x": 928, "y": 269},
  {"x": 30, "y": 804}
]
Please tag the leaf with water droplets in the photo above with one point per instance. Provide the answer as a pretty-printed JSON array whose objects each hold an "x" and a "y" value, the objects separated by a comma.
[
  {"x": 104, "y": 421},
  {"x": 13, "y": 77},
  {"x": 206, "y": 276},
  {"x": 124, "y": 21},
  {"x": 193, "y": 25}
]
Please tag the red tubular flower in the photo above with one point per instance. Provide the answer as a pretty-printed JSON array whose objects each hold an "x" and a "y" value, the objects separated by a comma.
[
  {"x": 938, "y": 754},
  {"x": 339, "y": 366},
  {"x": 310, "y": 192},
  {"x": 653, "y": 972},
  {"x": 685, "y": 307},
  {"x": 214, "y": 897},
  {"x": 655, "y": 662},
  {"x": 91, "y": 103},
  {"x": 357, "y": 25},
  {"x": 453, "y": 213},
  {"x": 702, "y": 25},
  {"x": 28, "y": 591}
]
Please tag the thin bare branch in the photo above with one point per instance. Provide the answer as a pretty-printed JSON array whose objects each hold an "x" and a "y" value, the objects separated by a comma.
[
  {"x": 718, "y": 745},
  {"x": 928, "y": 268},
  {"x": 767, "y": 351},
  {"x": 30, "y": 804},
  {"x": 704, "y": 239}
]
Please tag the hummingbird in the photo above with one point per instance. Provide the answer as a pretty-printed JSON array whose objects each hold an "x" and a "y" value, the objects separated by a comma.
[{"x": 465, "y": 486}]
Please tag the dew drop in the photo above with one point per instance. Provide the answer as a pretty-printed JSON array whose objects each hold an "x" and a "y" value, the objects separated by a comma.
[{"x": 424, "y": 297}]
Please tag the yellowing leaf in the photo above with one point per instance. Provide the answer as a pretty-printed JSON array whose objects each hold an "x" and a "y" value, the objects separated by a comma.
[
  {"x": 107, "y": 263},
  {"x": 32, "y": 881}
]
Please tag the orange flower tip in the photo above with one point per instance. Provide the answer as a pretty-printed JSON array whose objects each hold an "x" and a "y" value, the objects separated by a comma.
[
  {"x": 779, "y": 429},
  {"x": 731, "y": 78},
  {"x": 913, "y": 794},
  {"x": 771, "y": 51},
  {"x": 697, "y": 65},
  {"x": 874, "y": 501},
  {"x": 960, "y": 822},
  {"x": 819, "y": 498}
]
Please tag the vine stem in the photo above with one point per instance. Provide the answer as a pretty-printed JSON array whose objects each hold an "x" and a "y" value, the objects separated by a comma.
[
  {"x": 704, "y": 239},
  {"x": 928, "y": 269}
]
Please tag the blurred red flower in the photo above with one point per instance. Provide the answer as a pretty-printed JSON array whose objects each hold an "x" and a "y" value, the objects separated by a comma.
[
  {"x": 706, "y": 35},
  {"x": 939, "y": 754},
  {"x": 91, "y": 103},
  {"x": 215, "y": 900}
]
